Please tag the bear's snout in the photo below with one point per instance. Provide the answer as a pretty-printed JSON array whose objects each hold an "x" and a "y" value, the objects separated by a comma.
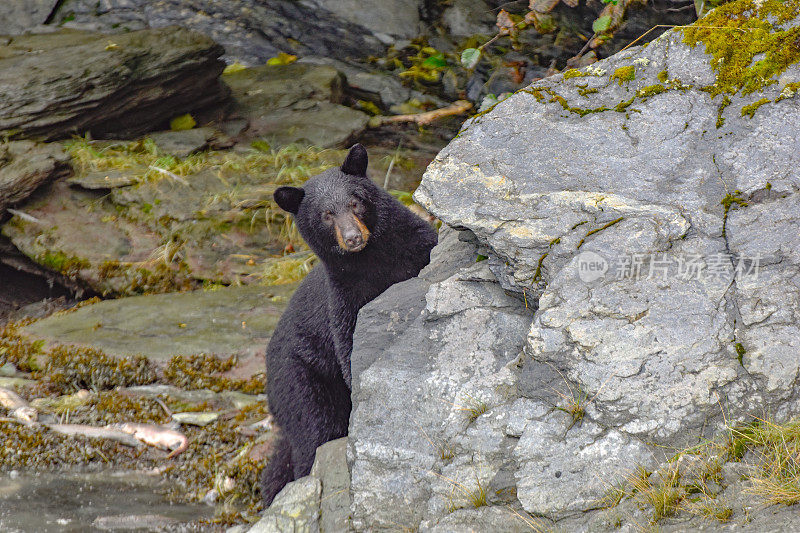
[
  {"x": 353, "y": 240},
  {"x": 351, "y": 234}
]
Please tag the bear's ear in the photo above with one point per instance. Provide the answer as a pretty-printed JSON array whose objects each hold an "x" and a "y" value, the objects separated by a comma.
[
  {"x": 289, "y": 198},
  {"x": 355, "y": 163}
]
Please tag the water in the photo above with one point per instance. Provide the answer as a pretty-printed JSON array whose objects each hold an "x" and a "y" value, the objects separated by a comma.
[{"x": 82, "y": 503}]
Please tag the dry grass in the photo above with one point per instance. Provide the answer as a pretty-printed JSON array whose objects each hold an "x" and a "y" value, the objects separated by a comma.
[
  {"x": 777, "y": 448},
  {"x": 473, "y": 496},
  {"x": 473, "y": 407},
  {"x": 770, "y": 450}
]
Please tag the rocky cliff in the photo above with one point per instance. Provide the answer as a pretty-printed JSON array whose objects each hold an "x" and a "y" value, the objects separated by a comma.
[{"x": 624, "y": 287}]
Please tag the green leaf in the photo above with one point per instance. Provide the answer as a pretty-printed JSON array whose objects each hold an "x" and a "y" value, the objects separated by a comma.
[
  {"x": 281, "y": 59},
  {"x": 602, "y": 24},
  {"x": 436, "y": 61},
  {"x": 183, "y": 122},
  {"x": 470, "y": 57}
]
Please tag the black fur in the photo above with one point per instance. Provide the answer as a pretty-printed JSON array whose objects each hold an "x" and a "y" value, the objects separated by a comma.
[{"x": 308, "y": 357}]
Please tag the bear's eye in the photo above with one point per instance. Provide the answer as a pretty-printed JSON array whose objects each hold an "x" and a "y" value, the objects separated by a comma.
[
  {"x": 354, "y": 204},
  {"x": 327, "y": 216}
]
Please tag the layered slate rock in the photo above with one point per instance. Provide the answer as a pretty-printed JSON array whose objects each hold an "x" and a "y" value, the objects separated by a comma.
[
  {"x": 25, "y": 166},
  {"x": 59, "y": 84},
  {"x": 646, "y": 207},
  {"x": 251, "y": 31}
]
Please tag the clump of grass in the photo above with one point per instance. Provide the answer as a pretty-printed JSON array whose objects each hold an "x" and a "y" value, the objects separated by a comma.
[
  {"x": 777, "y": 446},
  {"x": 663, "y": 495},
  {"x": 474, "y": 496},
  {"x": 473, "y": 407},
  {"x": 613, "y": 495},
  {"x": 708, "y": 507},
  {"x": 445, "y": 450},
  {"x": 142, "y": 155},
  {"x": 290, "y": 165},
  {"x": 288, "y": 269}
]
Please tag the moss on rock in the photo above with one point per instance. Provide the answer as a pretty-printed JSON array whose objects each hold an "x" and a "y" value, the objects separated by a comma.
[{"x": 751, "y": 43}]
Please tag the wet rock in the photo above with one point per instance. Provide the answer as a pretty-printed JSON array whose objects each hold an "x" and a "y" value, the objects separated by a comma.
[
  {"x": 464, "y": 18},
  {"x": 25, "y": 166},
  {"x": 251, "y": 32},
  {"x": 230, "y": 321},
  {"x": 375, "y": 86},
  {"x": 62, "y": 501},
  {"x": 399, "y": 18},
  {"x": 59, "y": 84},
  {"x": 147, "y": 522},
  {"x": 183, "y": 143},
  {"x": 294, "y": 103},
  {"x": 110, "y": 179},
  {"x": 195, "y": 418}
]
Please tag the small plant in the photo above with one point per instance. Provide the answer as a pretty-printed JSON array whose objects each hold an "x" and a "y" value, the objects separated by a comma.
[
  {"x": 474, "y": 407},
  {"x": 663, "y": 495},
  {"x": 475, "y": 496},
  {"x": 445, "y": 450}
]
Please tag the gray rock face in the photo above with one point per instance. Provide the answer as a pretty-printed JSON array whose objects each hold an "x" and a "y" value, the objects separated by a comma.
[
  {"x": 436, "y": 438},
  {"x": 657, "y": 244},
  {"x": 17, "y": 16},
  {"x": 294, "y": 510},
  {"x": 59, "y": 84}
]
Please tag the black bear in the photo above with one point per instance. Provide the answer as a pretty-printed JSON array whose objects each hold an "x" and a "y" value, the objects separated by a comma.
[{"x": 366, "y": 241}]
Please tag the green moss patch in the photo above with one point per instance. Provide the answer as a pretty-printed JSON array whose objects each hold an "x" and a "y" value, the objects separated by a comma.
[
  {"x": 748, "y": 43},
  {"x": 624, "y": 74},
  {"x": 750, "y": 110}
]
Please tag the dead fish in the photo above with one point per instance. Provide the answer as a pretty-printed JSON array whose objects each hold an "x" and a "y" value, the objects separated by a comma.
[
  {"x": 94, "y": 432},
  {"x": 158, "y": 436},
  {"x": 17, "y": 407}
]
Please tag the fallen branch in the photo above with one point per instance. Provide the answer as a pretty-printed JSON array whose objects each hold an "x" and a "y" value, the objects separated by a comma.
[{"x": 456, "y": 108}]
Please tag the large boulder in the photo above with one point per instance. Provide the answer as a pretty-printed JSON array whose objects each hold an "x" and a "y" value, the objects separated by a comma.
[
  {"x": 59, "y": 84},
  {"x": 646, "y": 208}
]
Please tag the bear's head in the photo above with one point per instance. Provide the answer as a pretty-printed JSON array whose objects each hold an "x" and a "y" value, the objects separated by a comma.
[{"x": 336, "y": 211}]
